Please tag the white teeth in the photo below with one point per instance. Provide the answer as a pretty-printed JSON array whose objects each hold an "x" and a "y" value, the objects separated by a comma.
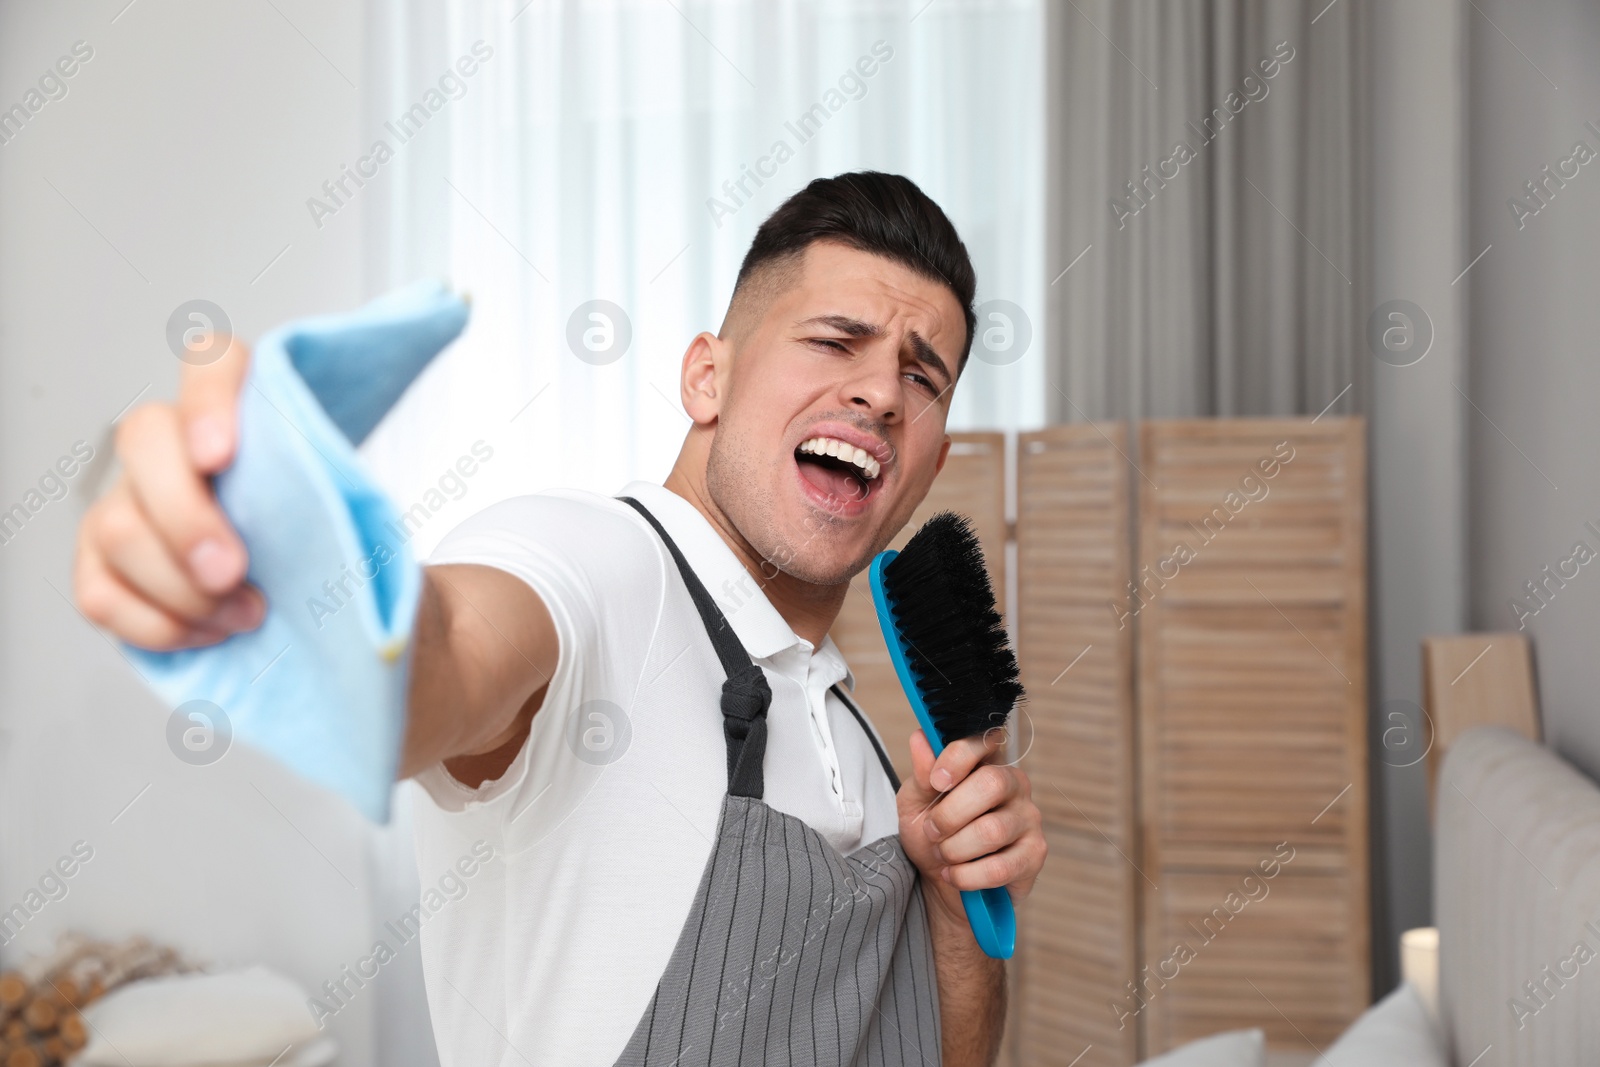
[{"x": 832, "y": 446}]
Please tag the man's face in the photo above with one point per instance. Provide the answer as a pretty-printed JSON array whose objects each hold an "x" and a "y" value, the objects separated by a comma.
[{"x": 830, "y": 426}]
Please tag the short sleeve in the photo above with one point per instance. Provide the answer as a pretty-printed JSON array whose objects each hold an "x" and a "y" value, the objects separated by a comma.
[{"x": 584, "y": 556}]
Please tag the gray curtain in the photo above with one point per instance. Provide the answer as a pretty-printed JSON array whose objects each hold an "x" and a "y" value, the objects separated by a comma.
[{"x": 1226, "y": 278}]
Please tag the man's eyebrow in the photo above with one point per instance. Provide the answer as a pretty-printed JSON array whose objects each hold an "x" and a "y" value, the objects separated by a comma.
[
  {"x": 845, "y": 324},
  {"x": 926, "y": 355},
  {"x": 858, "y": 328}
]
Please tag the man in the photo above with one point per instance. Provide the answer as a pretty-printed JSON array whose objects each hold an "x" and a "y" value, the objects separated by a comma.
[{"x": 704, "y": 860}]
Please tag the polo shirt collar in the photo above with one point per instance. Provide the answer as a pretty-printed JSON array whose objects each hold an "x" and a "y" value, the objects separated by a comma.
[
  {"x": 757, "y": 624},
  {"x": 849, "y": 678}
]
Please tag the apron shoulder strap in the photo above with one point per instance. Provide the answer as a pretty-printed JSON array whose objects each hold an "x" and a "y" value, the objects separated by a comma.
[
  {"x": 883, "y": 757},
  {"x": 745, "y": 694}
]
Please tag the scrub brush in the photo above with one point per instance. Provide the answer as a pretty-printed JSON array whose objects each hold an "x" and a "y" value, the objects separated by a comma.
[{"x": 949, "y": 647}]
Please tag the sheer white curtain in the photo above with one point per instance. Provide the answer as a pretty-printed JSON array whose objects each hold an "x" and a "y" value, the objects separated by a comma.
[{"x": 626, "y": 152}]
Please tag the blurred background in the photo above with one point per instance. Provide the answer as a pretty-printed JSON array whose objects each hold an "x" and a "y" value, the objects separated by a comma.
[{"x": 1356, "y": 216}]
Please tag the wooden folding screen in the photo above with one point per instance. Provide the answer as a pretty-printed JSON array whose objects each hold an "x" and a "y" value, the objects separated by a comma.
[
  {"x": 1076, "y": 733},
  {"x": 1250, "y": 602},
  {"x": 1209, "y": 864}
]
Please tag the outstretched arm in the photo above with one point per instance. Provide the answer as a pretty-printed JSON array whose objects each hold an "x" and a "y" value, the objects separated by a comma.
[{"x": 484, "y": 650}]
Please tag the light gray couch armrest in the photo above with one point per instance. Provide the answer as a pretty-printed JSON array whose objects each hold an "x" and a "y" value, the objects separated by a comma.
[{"x": 1517, "y": 902}]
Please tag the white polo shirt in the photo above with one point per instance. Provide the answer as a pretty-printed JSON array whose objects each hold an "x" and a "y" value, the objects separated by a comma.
[{"x": 603, "y": 823}]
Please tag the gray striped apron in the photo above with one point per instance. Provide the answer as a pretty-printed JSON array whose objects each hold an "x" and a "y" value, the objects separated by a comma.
[{"x": 791, "y": 953}]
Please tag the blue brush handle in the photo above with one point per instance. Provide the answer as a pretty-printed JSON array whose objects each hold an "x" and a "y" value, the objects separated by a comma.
[{"x": 993, "y": 919}]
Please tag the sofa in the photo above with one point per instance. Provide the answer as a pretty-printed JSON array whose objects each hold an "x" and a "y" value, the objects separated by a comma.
[{"x": 1516, "y": 898}]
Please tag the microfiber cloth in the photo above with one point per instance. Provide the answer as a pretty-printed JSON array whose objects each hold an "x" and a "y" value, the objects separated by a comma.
[{"x": 321, "y": 684}]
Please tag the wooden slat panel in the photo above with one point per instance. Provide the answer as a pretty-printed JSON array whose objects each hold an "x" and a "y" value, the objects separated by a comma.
[
  {"x": 1226, "y": 953},
  {"x": 1080, "y": 921},
  {"x": 1078, "y": 956},
  {"x": 1250, "y": 608},
  {"x": 1072, "y": 548}
]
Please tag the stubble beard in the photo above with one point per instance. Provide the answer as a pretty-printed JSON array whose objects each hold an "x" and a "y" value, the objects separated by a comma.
[{"x": 746, "y": 495}]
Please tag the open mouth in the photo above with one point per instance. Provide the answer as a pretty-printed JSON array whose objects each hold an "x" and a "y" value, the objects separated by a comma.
[{"x": 838, "y": 470}]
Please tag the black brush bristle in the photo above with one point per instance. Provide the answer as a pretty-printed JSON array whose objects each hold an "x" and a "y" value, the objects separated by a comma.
[{"x": 944, "y": 608}]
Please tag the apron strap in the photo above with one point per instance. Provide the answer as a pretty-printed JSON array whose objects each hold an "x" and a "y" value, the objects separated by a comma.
[
  {"x": 883, "y": 758},
  {"x": 745, "y": 694}
]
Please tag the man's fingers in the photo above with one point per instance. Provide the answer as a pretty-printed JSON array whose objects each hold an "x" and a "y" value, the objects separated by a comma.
[
  {"x": 987, "y": 833},
  {"x": 1015, "y": 866},
  {"x": 208, "y": 403},
  {"x": 177, "y": 500},
  {"x": 158, "y": 562},
  {"x": 962, "y": 755},
  {"x": 141, "y": 561},
  {"x": 921, "y": 761},
  {"x": 983, "y": 790},
  {"x": 106, "y": 601}
]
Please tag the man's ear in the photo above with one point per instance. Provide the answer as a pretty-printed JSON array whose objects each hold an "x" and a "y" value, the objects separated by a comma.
[
  {"x": 944, "y": 452},
  {"x": 702, "y": 385}
]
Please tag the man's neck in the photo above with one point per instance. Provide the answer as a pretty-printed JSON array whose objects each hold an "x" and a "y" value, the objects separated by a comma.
[{"x": 808, "y": 609}]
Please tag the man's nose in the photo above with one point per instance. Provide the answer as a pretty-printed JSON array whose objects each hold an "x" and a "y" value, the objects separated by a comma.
[{"x": 874, "y": 388}]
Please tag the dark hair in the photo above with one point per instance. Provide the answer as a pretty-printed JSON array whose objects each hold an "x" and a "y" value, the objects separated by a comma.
[{"x": 885, "y": 214}]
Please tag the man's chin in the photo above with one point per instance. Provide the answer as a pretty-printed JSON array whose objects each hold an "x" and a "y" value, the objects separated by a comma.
[
  {"x": 806, "y": 558},
  {"x": 825, "y": 574}
]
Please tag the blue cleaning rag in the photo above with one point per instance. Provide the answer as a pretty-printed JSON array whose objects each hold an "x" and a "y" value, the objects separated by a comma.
[{"x": 321, "y": 684}]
